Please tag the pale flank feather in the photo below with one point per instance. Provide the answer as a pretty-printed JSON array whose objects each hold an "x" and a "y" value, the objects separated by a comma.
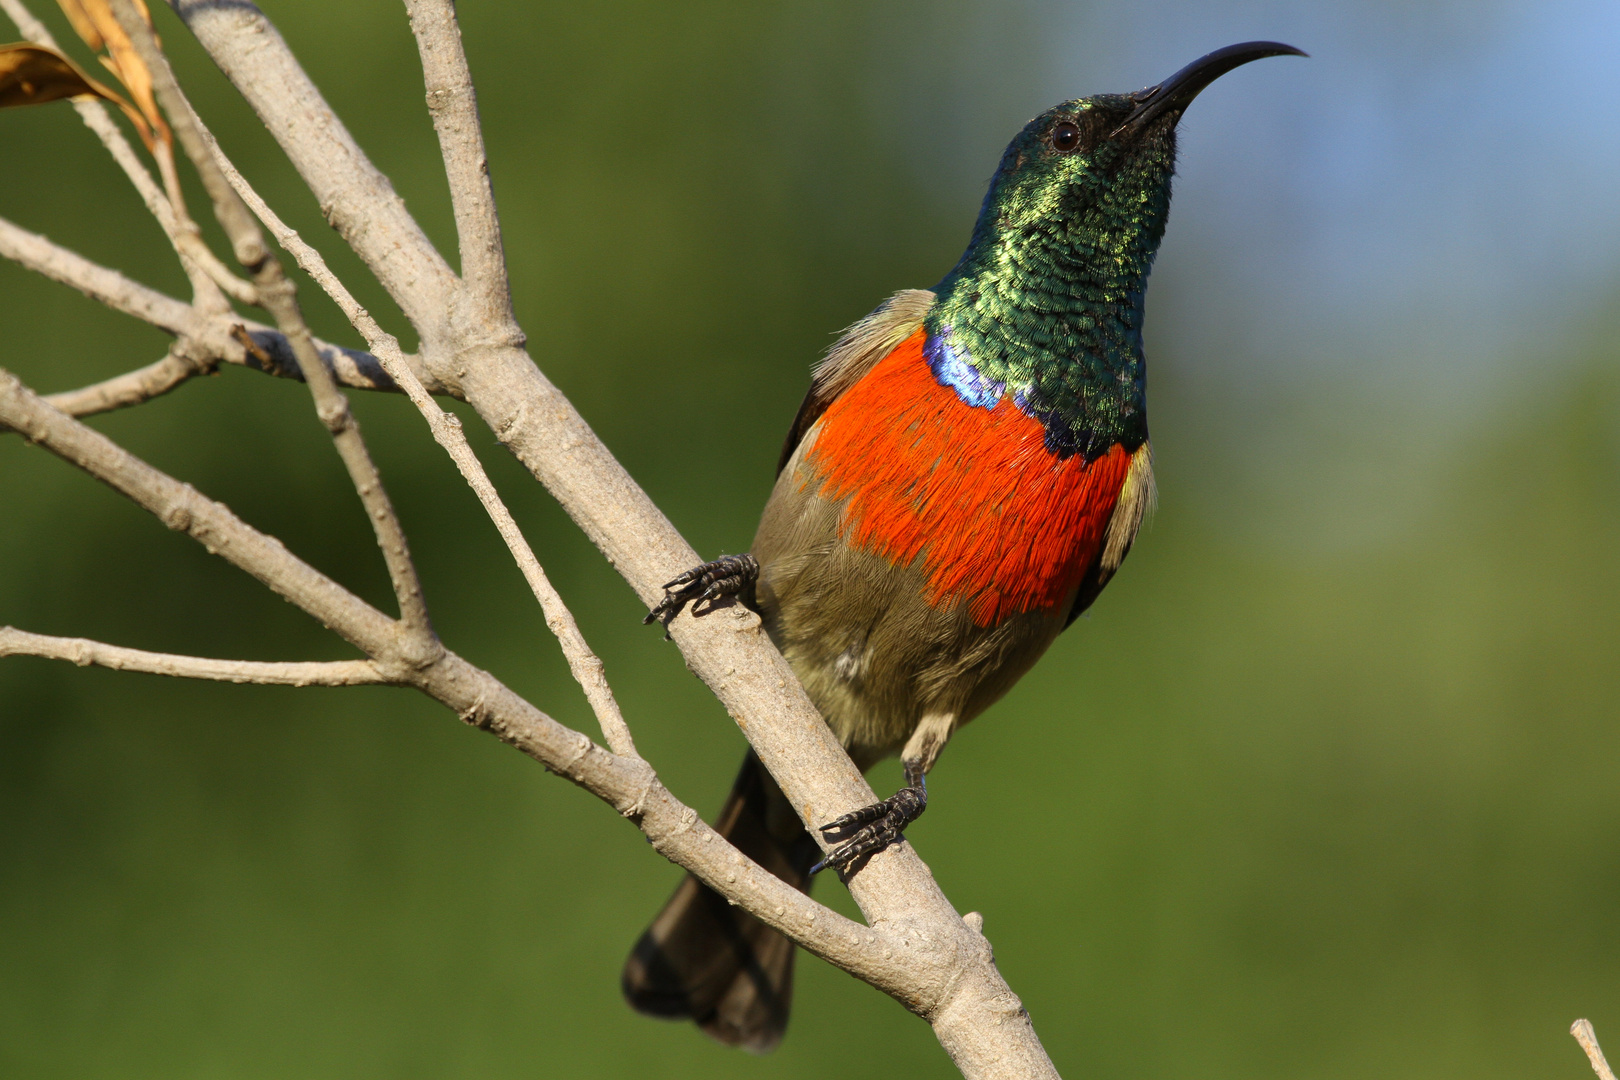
[
  {"x": 854, "y": 354},
  {"x": 1136, "y": 501}
]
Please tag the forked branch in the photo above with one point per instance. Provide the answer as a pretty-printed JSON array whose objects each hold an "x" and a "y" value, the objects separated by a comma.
[
  {"x": 211, "y": 335},
  {"x": 446, "y": 429},
  {"x": 133, "y": 387},
  {"x": 279, "y": 297},
  {"x": 453, "y": 104},
  {"x": 917, "y": 948},
  {"x": 886, "y": 960}
]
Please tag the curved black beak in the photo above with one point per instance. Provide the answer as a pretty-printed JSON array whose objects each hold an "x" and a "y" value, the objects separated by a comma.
[{"x": 1176, "y": 92}]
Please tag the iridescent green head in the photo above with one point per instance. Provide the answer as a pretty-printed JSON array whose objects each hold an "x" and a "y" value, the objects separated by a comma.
[
  {"x": 1078, "y": 167},
  {"x": 1046, "y": 304}
]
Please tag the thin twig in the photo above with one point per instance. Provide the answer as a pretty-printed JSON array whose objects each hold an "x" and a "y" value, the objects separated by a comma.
[
  {"x": 453, "y": 104},
  {"x": 973, "y": 1012},
  {"x": 1582, "y": 1030},
  {"x": 446, "y": 429},
  {"x": 118, "y": 292},
  {"x": 212, "y": 336},
  {"x": 202, "y": 267},
  {"x": 889, "y": 961},
  {"x": 279, "y": 297},
  {"x": 133, "y": 387},
  {"x": 183, "y": 508},
  {"x": 84, "y": 652},
  {"x": 366, "y": 211}
]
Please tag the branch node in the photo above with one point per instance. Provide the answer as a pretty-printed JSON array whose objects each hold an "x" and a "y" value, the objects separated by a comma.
[
  {"x": 585, "y": 746},
  {"x": 334, "y": 413},
  {"x": 253, "y": 348},
  {"x": 178, "y": 517},
  {"x": 639, "y": 807},
  {"x": 476, "y": 715}
]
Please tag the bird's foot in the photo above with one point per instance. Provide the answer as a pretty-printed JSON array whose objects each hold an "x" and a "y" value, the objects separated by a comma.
[
  {"x": 726, "y": 576},
  {"x": 872, "y": 828}
]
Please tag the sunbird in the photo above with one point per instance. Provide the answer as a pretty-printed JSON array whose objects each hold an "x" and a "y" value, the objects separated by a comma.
[{"x": 968, "y": 470}]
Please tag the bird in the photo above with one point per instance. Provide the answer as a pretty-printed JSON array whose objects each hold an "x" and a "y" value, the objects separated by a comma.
[{"x": 968, "y": 470}]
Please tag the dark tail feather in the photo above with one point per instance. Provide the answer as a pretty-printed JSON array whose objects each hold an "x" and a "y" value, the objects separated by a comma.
[{"x": 707, "y": 961}]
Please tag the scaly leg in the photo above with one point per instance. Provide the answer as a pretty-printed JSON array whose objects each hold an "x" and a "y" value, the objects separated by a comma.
[
  {"x": 726, "y": 576},
  {"x": 872, "y": 828}
]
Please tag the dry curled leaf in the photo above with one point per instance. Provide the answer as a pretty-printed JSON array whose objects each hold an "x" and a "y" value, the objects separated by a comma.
[
  {"x": 34, "y": 75},
  {"x": 83, "y": 24},
  {"x": 94, "y": 21}
]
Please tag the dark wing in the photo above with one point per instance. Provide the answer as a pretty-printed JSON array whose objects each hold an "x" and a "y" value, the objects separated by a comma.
[
  {"x": 854, "y": 354},
  {"x": 810, "y": 409}
]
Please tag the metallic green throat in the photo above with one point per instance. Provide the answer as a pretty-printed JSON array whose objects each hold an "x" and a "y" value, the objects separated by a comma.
[{"x": 1047, "y": 301}]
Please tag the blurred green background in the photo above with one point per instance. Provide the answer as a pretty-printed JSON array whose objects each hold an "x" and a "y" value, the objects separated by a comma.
[{"x": 1326, "y": 786}]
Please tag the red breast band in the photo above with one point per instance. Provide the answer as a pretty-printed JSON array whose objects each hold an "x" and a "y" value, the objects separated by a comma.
[{"x": 996, "y": 516}]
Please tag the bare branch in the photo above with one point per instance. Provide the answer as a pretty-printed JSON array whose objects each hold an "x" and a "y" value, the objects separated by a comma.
[
  {"x": 1582, "y": 1030},
  {"x": 186, "y": 237},
  {"x": 132, "y": 388},
  {"x": 975, "y": 1015},
  {"x": 211, "y": 334},
  {"x": 118, "y": 292},
  {"x": 84, "y": 652},
  {"x": 333, "y": 409},
  {"x": 350, "y": 367},
  {"x": 182, "y": 507},
  {"x": 206, "y": 273},
  {"x": 279, "y": 297},
  {"x": 583, "y": 664},
  {"x": 454, "y": 106},
  {"x": 889, "y": 961},
  {"x": 358, "y": 200}
]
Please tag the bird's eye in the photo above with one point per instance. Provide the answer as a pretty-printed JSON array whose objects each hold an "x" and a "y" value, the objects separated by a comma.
[{"x": 1065, "y": 137}]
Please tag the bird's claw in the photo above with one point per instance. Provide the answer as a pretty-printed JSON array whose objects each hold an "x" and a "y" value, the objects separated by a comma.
[
  {"x": 725, "y": 576},
  {"x": 872, "y": 828}
]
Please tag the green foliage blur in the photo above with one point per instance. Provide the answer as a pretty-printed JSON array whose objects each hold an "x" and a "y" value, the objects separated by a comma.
[{"x": 1326, "y": 786}]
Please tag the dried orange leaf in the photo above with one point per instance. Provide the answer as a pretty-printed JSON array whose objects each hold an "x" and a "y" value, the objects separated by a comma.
[
  {"x": 83, "y": 24},
  {"x": 34, "y": 75},
  {"x": 91, "y": 19},
  {"x": 95, "y": 23}
]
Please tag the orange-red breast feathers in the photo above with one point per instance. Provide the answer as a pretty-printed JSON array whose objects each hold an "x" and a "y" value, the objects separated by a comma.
[{"x": 997, "y": 518}]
